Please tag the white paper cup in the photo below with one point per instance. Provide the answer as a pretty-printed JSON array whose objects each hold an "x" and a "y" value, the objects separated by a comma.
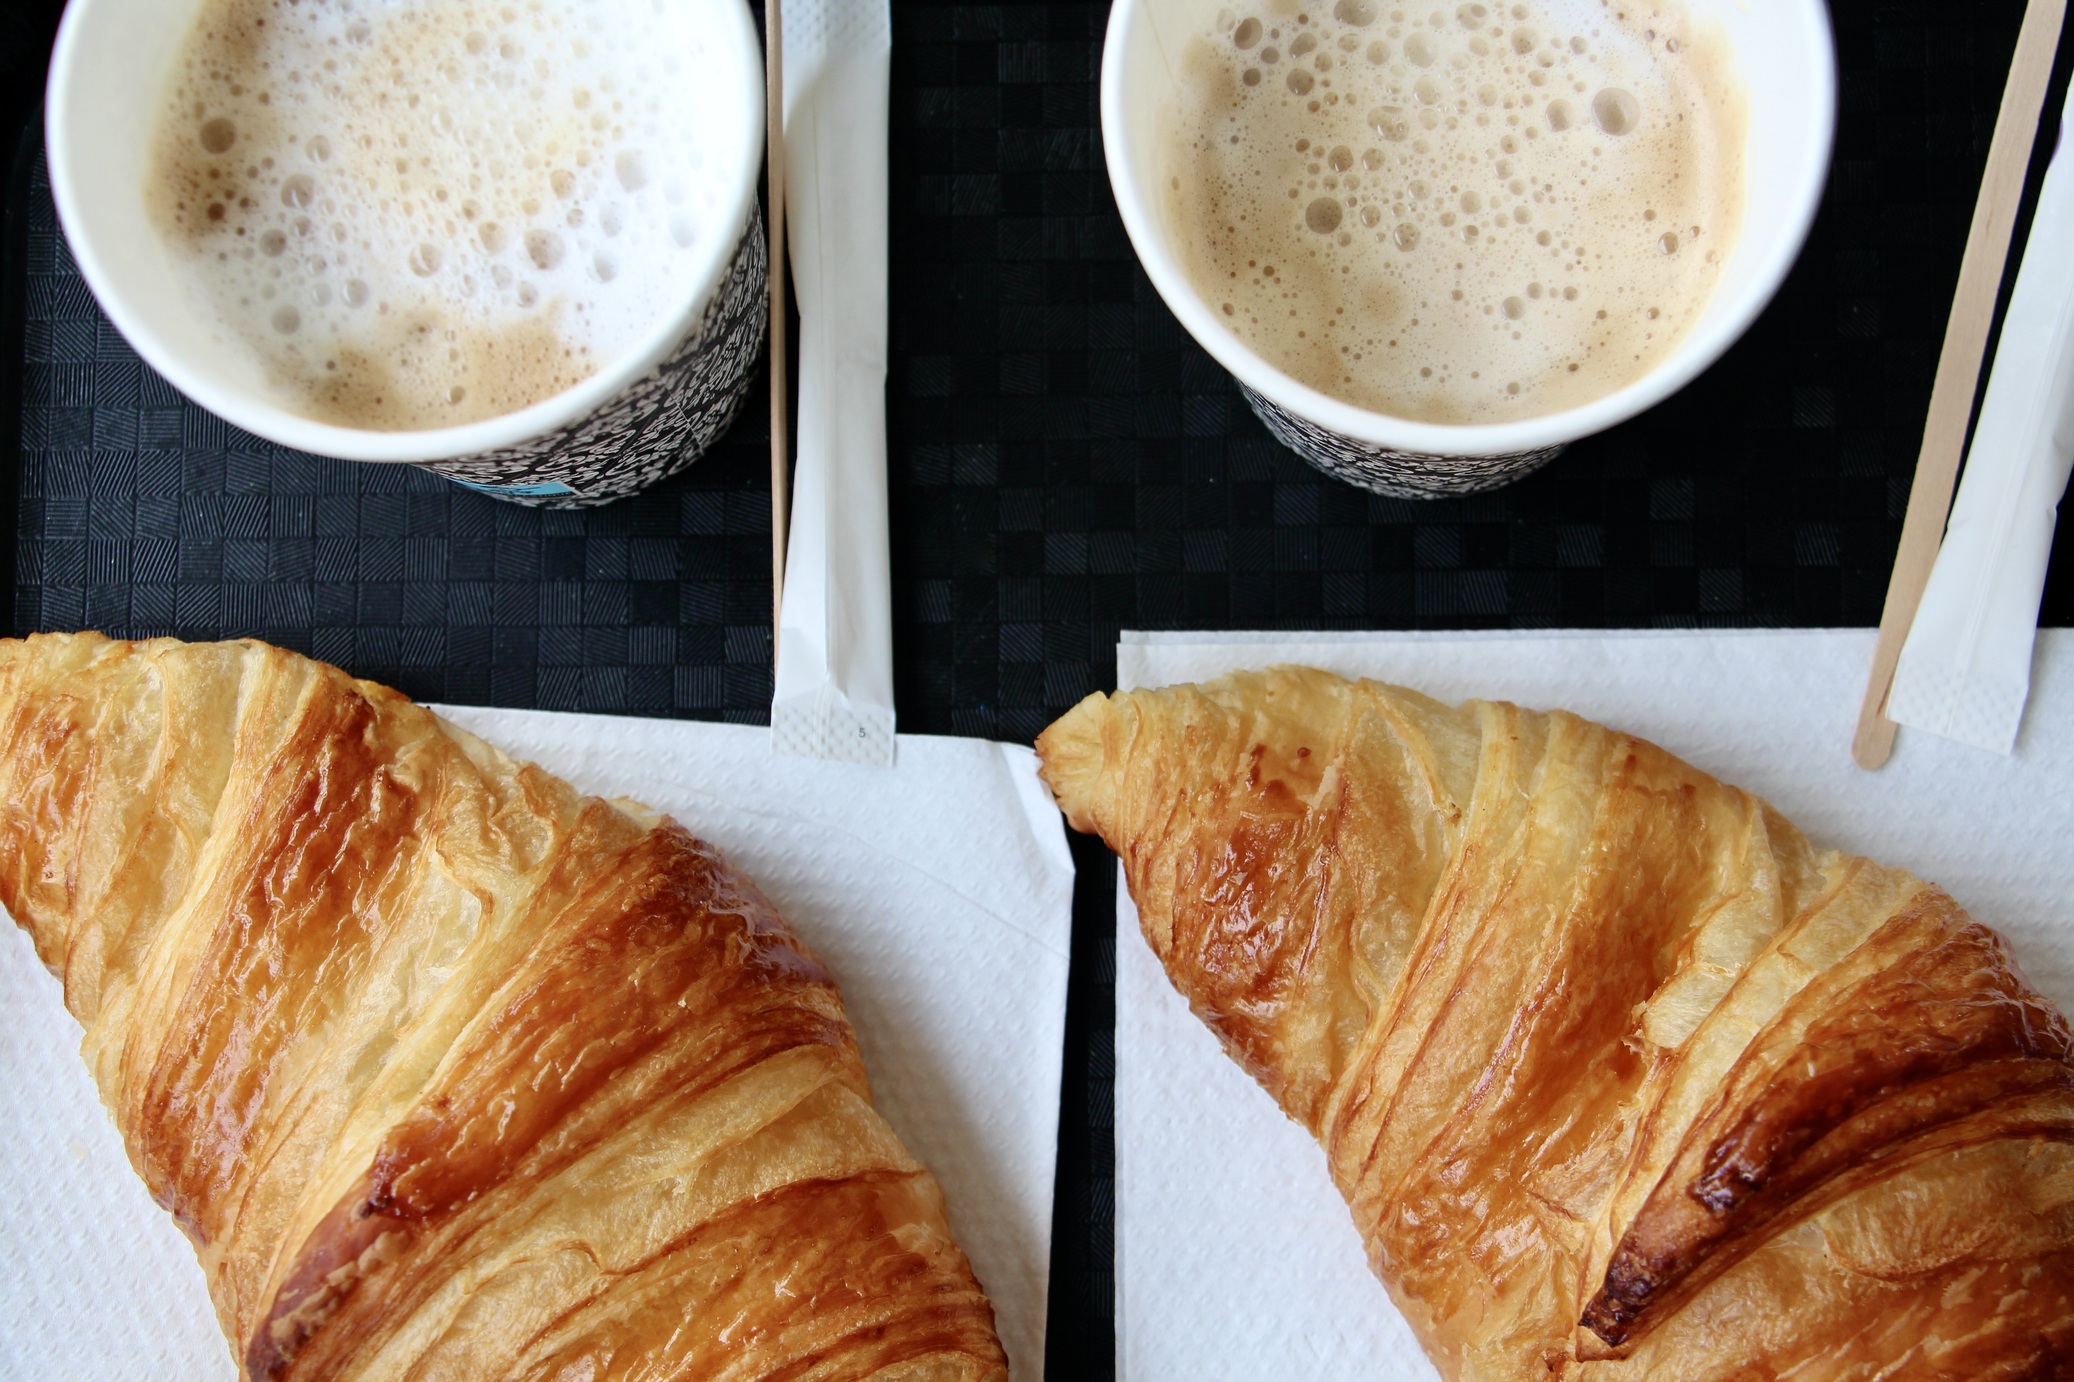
[
  {"x": 643, "y": 415},
  {"x": 1782, "y": 53}
]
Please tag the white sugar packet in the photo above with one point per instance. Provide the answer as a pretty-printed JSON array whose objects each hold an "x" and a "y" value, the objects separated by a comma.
[
  {"x": 1966, "y": 668},
  {"x": 834, "y": 690},
  {"x": 939, "y": 894},
  {"x": 1236, "y": 1260}
]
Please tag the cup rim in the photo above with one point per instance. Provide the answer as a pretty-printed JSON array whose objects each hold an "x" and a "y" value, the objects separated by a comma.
[
  {"x": 277, "y": 424},
  {"x": 1686, "y": 361}
]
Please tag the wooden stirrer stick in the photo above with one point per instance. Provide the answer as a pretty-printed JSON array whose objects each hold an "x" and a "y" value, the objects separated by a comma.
[{"x": 1958, "y": 366}]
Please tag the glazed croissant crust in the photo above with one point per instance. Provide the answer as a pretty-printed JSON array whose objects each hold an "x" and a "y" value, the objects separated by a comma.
[
  {"x": 1620, "y": 1076},
  {"x": 448, "y": 1071}
]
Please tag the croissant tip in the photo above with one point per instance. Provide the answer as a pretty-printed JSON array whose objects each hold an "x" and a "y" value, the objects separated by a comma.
[{"x": 1070, "y": 758}]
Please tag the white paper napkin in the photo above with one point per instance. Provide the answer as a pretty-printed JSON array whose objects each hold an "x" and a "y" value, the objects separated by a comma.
[
  {"x": 939, "y": 893},
  {"x": 1235, "y": 1258}
]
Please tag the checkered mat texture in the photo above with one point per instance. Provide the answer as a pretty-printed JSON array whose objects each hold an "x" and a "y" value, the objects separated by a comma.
[{"x": 1065, "y": 464}]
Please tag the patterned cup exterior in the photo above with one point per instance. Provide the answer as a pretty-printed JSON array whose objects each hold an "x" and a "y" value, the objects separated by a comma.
[
  {"x": 1399, "y": 474},
  {"x": 654, "y": 427}
]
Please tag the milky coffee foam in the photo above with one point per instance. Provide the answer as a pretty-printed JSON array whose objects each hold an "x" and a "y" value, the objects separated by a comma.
[
  {"x": 421, "y": 215},
  {"x": 1465, "y": 215}
]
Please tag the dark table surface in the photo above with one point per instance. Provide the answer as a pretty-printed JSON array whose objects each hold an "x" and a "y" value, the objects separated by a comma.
[{"x": 1065, "y": 464}]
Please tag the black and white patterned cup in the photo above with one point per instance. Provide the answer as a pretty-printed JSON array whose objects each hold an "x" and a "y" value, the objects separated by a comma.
[
  {"x": 1785, "y": 62},
  {"x": 643, "y": 415}
]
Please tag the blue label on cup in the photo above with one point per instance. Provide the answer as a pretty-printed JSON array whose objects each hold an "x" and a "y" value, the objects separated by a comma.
[{"x": 540, "y": 490}]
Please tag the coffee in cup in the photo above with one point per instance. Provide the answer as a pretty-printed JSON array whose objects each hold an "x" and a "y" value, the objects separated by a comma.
[
  {"x": 422, "y": 216},
  {"x": 664, "y": 97},
  {"x": 1465, "y": 215}
]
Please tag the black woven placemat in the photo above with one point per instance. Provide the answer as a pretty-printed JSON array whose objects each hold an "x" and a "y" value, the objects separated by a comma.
[{"x": 1065, "y": 464}]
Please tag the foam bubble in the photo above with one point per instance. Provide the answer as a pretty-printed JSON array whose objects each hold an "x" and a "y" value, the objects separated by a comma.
[
  {"x": 1616, "y": 111},
  {"x": 544, "y": 248},
  {"x": 1323, "y": 215}
]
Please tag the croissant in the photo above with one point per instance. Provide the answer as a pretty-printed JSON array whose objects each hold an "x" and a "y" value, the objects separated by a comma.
[
  {"x": 446, "y": 1070},
  {"x": 1620, "y": 1076}
]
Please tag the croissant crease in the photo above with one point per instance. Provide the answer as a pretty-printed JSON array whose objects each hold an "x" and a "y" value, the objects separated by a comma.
[
  {"x": 446, "y": 1070},
  {"x": 1620, "y": 1076}
]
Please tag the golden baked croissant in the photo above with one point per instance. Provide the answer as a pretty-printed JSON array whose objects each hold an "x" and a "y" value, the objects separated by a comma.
[
  {"x": 1620, "y": 1077},
  {"x": 448, "y": 1071}
]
